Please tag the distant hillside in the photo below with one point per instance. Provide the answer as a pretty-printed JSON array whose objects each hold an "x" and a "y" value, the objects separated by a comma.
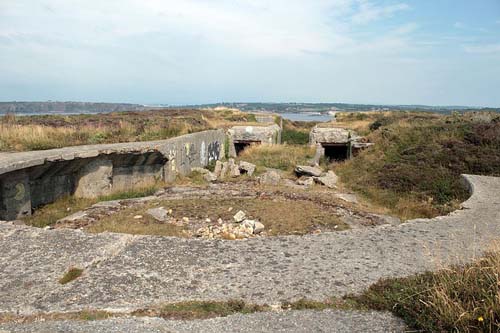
[
  {"x": 326, "y": 107},
  {"x": 65, "y": 107}
]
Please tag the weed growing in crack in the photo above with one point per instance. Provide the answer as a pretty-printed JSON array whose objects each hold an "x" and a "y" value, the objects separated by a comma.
[{"x": 72, "y": 274}]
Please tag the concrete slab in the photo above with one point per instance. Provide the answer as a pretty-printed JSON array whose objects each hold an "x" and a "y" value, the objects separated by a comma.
[{"x": 124, "y": 272}]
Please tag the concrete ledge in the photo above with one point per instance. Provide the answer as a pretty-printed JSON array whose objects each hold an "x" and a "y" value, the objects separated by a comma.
[
  {"x": 16, "y": 161},
  {"x": 31, "y": 179}
]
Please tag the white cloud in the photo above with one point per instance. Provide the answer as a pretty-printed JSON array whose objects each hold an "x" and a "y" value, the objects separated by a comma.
[
  {"x": 482, "y": 49},
  {"x": 258, "y": 27},
  {"x": 369, "y": 12},
  {"x": 458, "y": 25}
]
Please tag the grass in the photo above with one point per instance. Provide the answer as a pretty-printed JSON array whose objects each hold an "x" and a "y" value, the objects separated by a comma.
[
  {"x": 302, "y": 216},
  {"x": 200, "y": 310},
  {"x": 49, "y": 214},
  {"x": 139, "y": 192},
  {"x": 72, "y": 274},
  {"x": 296, "y": 132},
  {"x": 189, "y": 310},
  {"x": 331, "y": 303},
  {"x": 455, "y": 299},
  {"x": 87, "y": 315},
  {"x": 56, "y": 131},
  {"x": 124, "y": 222},
  {"x": 284, "y": 157},
  {"x": 415, "y": 166}
]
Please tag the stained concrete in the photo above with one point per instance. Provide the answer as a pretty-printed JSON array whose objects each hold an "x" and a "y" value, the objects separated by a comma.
[
  {"x": 266, "y": 322},
  {"x": 125, "y": 272},
  {"x": 31, "y": 179}
]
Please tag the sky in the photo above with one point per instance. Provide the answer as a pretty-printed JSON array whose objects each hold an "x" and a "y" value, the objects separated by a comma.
[{"x": 434, "y": 52}]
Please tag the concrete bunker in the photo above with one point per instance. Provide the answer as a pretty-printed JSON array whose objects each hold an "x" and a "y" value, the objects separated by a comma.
[
  {"x": 336, "y": 143},
  {"x": 336, "y": 151},
  {"x": 29, "y": 180},
  {"x": 23, "y": 191},
  {"x": 241, "y": 145},
  {"x": 242, "y": 137}
]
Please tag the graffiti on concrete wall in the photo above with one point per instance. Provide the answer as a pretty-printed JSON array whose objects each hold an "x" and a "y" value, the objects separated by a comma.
[
  {"x": 213, "y": 151},
  {"x": 203, "y": 154}
]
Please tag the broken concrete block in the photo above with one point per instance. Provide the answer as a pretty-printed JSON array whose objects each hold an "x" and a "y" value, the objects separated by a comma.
[
  {"x": 224, "y": 170},
  {"x": 234, "y": 170},
  {"x": 258, "y": 227},
  {"x": 304, "y": 170},
  {"x": 160, "y": 214},
  {"x": 305, "y": 181},
  {"x": 239, "y": 217},
  {"x": 329, "y": 180},
  {"x": 246, "y": 167},
  {"x": 209, "y": 177},
  {"x": 218, "y": 169},
  {"x": 270, "y": 177}
]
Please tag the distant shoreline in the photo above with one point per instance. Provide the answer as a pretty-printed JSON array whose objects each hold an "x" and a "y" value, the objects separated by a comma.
[{"x": 307, "y": 109}]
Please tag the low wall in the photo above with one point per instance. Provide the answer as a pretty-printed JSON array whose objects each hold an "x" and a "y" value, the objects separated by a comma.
[{"x": 31, "y": 179}]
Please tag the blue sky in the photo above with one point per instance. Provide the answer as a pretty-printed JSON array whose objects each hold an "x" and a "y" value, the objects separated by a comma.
[{"x": 439, "y": 52}]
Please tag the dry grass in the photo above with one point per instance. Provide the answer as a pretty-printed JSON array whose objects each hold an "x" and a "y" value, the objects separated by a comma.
[
  {"x": 455, "y": 299},
  {"x": 283, "y": 157},
  {"x": 280, "y": 216},
  {"x": 415, "y": 166},
  {"x": 191, "y": 310},
  {"x": 56, "y": 131},
  {"x": 188, "y": 310},
  {"x": 67, "y": 205},
  {"x": 49, "y": 214},
  {"x": 124, "y": 222},
  {"x": 80, "y": 315}
]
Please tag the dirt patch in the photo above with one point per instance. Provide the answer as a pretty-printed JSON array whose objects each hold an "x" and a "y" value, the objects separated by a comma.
[{"x": 280, "y": 216}]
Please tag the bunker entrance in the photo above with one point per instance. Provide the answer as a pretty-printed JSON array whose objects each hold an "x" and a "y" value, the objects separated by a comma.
[
  {"x": 241, "y": 145},
  {"x": 336, "y": 151}
]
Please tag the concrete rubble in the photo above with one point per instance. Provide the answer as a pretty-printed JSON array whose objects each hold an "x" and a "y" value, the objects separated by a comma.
[
  {"x": 329, "y": 179},
  {"x": 304, "y": 170},
  {"x": 247, "y": 168},
  {"x": 160, "y": 214},
  {"x": 228, "y": 168},
  {"x": 270, "y": 177}
]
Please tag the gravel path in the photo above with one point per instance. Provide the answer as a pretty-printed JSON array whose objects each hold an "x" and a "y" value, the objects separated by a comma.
[
  {"x": 124, "y": 272},
  {"x": 289, "y": 322}
]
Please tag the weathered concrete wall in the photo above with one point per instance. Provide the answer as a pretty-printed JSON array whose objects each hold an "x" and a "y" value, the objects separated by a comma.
[
  {"x": 31, "y": 179},
  {"x": 329, "y": 135},
  {"x": 253, "y": 134}
]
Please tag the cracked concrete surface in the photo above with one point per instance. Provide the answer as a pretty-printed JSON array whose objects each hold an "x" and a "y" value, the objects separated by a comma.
[
  {"x": 289, "y": 322},
  {"x": 126, "y": 272}
]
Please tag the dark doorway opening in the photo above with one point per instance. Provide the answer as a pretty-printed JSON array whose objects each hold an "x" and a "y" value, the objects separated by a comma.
[
  {"x": 336, "y": 151},
  {"x": 240, "y": 146}
]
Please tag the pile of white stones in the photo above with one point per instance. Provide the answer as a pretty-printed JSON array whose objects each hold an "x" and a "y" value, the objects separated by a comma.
[{"x": 240, "y": 229}]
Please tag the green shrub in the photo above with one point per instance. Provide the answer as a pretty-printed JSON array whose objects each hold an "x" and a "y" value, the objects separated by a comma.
[{"x": 294, "y": 137}]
